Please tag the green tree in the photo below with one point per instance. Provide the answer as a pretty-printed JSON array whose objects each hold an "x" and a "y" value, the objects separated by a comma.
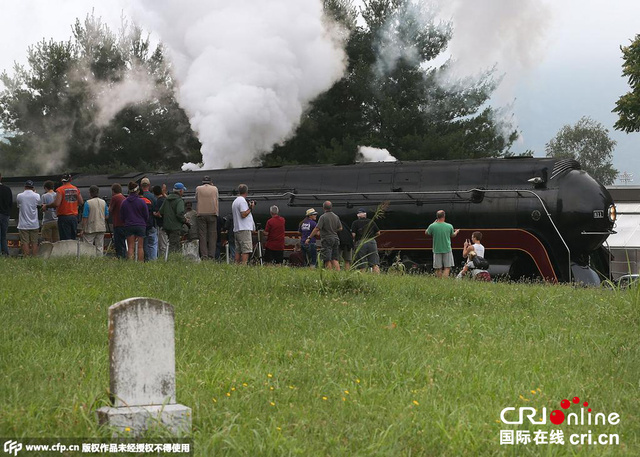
[
  {"x": 589, "y": 143},
  {"x": 628, "y": 106},
  {"x": 53, "y": 109},
  {"x": 393, "y": 97}
]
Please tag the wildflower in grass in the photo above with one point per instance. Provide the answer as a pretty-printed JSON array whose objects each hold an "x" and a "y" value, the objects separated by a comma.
[
  {"x": 215, "y": 401},
  {"x": 523, "y": 399},
  {"x": 228, "y": 394},
  {"x": 291, "y": 387},
  {"x": 278, "y": 429},
  {"x": 344, "y": 399},
  {"x": 127, "y": 429},
  {"x": 271, "y": 388},
  {"x": 533, "y": 392},
  {"x": 272, "y": 403},
  {"x": 269, "y": 375},
  {"x": 325, "y": 398},
  {"x": 346, "y": 392},
  {"x": 232, "y": 389},
  {"x": 358, "y": 381},
  {"x": 244, "y": 384},
  {"x": 416, "y": 403}
]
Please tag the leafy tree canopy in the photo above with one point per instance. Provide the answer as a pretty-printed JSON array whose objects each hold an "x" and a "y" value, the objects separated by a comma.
[
  {"x": 98, "y": 102},
  {"x": 393, "y": 97},
  {"x": 628, "y": 106},
  {"x": 589, "y": 143}
]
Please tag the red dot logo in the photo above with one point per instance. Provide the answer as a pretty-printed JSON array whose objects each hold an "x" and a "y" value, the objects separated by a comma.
[
  {"x": 585, "y": 404},
  {"x": 576, "y": 400},
  {"x": 565, "y": 404},
  {"x": 557, "y": 416}
]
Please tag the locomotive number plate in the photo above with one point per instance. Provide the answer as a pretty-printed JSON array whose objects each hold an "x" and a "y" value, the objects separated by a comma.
[{"x": 598, "y": 214}]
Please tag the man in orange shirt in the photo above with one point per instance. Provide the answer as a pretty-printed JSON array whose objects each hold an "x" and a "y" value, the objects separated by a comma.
[{"x": 67, "y": 201}]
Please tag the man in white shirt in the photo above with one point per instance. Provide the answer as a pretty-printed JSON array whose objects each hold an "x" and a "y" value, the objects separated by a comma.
[
  {"x": 476, "y": 237},
  {"x": 28, "y": 224},
  {"x": 243, "y": 225},
  {"x": 477, "y": 249}
]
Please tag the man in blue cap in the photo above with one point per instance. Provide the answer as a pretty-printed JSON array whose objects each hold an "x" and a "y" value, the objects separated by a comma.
[{"x": 172, "y": 212}]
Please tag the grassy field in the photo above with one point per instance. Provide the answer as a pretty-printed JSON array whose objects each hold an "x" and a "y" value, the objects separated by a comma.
[{"x": 283, "y": 362}]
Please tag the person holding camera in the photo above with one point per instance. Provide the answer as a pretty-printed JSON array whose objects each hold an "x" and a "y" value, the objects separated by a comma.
[{"x": 243, "y": 224}]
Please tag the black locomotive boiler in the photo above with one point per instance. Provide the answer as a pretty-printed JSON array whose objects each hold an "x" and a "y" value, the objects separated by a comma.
[{"x": 540, "y": 217}]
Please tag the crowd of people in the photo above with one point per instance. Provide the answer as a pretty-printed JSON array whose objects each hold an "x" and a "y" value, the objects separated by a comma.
[{"x": 150, "y": 223}]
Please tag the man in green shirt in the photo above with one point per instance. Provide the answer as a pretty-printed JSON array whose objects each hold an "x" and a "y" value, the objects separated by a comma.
[{"x": 442, "y": 232}]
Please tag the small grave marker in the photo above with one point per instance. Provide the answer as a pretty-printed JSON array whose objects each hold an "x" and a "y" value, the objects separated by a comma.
[{"x": 142, "y": 368}]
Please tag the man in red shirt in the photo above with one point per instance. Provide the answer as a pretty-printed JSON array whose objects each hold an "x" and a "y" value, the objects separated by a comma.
[
  {"x": 274, "y": 231},
  {"x": 119, "y": 235},
  {"x": 67, "y": 201}
]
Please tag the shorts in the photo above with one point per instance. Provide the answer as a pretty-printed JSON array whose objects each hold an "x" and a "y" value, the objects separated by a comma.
[
  {"x": 347, "y": 254},
  {"x": 442, "y": 260},
  {"x": 367, "y": 254},
  {"x": 244, "y": 241},
  {"x": 49, "y": 231},
  {"x": 135, "y": 230},
  {"x": 29, "y": 236},
  {"x": 271, "y": 256},
  {"x": 330, "y": 249}
]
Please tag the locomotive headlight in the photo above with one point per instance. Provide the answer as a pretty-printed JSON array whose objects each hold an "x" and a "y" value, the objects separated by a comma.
[{"x": 612, "y": 213}]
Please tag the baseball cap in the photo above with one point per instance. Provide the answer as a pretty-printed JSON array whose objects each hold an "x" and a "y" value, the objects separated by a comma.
[
  {"x": 179, "y": 186},
  {"x": 66, "y": 177},
  {"x": 29, "y": 183},
  {"x": 362, "y": 210},
  {"x": 311, "y": 212},
  {"x": 206, "y": 180},
  {"x": 145, "y": 181}
]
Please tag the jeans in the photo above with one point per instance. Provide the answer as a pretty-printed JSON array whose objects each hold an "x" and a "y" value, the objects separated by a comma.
[
  {"x": 151, "y": 244},
  {"x": 311, "y": 253},
  {"x": 68, "y": 227},
  {"x": 119, "y": 241},
  {"x": 4, "y": 228}
]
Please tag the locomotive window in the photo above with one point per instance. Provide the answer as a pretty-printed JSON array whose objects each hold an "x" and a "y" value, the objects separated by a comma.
[{"x": 380, "y": 178}]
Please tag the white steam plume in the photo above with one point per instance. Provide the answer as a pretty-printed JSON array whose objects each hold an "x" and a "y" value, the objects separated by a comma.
[
  {"x": 112, "y": 97},
  {"x": 506, "y": 33},
  {"x": 369, "y": 154},
  {"x": 246, "y": 69}
]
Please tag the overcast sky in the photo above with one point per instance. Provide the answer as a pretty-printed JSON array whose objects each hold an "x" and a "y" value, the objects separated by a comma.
[{"x": 576, "y": 70}]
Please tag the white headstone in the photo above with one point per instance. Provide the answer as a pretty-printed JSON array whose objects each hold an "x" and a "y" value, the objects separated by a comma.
[
  {"x": 68, "y": 248},
  {"x": 142, "y": 352},
  {"x": 142, "y": 368}
]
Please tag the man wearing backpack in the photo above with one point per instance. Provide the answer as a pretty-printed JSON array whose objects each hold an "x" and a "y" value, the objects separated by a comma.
[
  {"x": 476, "y": 263},
  {"x": 480, "y": 264},
  {"x": 475, "y": 244}
]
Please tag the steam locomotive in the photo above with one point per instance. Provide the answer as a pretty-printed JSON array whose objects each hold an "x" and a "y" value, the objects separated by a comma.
[{"x": 540, "y": 217}]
